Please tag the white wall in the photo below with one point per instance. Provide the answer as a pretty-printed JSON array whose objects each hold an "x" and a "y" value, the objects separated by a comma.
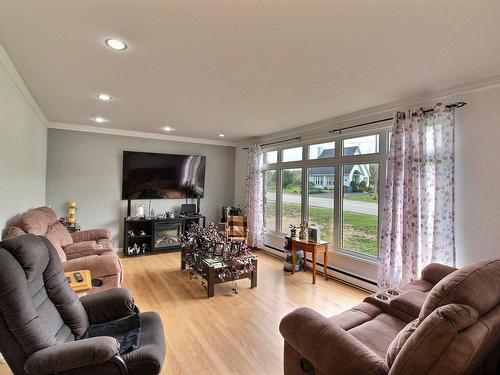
[
  {"x": 23, "y": 146},
  {"x": 477, "y": 172},
  {"x": 87, "y": 167},
  {"x": 478, "y": 177}
]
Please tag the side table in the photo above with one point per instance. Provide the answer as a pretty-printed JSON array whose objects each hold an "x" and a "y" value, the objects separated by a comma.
[
  {"x": 311, "y": 247},
  {"x": 83, "y": 287}
]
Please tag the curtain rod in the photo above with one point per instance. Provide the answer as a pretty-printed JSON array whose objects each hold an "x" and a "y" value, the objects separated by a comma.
[
  {"x": 449, "y": 106},
  {"x": 273, "y": 143}
]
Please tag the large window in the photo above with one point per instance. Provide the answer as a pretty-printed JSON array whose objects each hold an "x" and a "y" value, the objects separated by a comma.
[
  {"x": 270, "y": 200},
  {"x": 360, "y": 208},
  {"x": 271, "y": 157},
  {"x": 322, "y": 150},
  {"x": 291, "y": 190},
  {"x": 361, "y": 145},
  {"x": 292, "y": 154},
  {"x": 337, "y": 191}
]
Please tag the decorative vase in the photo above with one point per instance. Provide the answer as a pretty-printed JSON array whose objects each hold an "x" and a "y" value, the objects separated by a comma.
[{"x": 303, "y": 234}]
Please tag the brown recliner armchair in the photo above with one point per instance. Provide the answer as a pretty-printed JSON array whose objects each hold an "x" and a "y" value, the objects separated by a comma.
[
  {"x": 89, "y": 249},
  {"x": 43, "y": 323},
  {"x": 452, "y": 329}
]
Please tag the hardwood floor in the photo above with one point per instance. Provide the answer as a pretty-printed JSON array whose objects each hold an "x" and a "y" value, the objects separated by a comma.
[{"x": 227, "y": 334}]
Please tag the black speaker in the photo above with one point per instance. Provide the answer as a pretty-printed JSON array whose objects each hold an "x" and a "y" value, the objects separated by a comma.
[{"x": 188, "y": 208}]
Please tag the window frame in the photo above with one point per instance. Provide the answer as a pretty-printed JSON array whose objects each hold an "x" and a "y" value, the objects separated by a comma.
[{"x": 337, "y": 161}]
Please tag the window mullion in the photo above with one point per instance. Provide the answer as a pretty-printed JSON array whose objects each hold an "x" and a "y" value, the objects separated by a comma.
[
  {"x": 337, "y": 206},
  {"x": 305, "y": 194},
  {"x": 279, "y": 199}
]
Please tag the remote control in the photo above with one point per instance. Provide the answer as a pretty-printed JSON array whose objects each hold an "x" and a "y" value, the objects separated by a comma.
[{"x": 78, "y": 277}]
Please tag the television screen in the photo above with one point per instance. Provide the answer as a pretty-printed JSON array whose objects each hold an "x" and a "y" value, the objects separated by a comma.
[{"x": 162, "y": 176}]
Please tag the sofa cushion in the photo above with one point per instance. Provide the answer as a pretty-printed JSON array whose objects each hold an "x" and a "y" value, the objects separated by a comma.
[
  {"x": 80, "y": 247},
  {"x": 399, "y": 341},
  {"x": 91, "y": 235},
  {"x": 477, "y": 285},
  {"x": 37, "y": 220},
  {"x": 54, "y": 240},
  {"x": 422, "y": 348},
  {"x": 61, "y": 233},
  {"x": 356, "y": 315},
  {"x": 12, "y": 232},
  {"x": 378, "y": 333}
]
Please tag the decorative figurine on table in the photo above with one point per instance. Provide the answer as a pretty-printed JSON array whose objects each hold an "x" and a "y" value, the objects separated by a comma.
[
  {"x": 304, "y": 226},
  {"x": 293, "y": 230}
]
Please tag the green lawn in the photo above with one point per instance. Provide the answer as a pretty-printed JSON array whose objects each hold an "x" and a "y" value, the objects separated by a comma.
[
  {"x": 360, "y": 230},
  {"x": 362, "y": 197}
]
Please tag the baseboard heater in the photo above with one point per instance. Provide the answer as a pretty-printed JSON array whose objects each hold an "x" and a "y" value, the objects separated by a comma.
[{"x": 333, "y": 269}]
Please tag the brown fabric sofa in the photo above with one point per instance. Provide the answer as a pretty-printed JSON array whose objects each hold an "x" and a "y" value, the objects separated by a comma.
[
  {"x": 89, "y": 249},
  {"x": 445, "y": 323},
  {"x": 43, "y": 324}
]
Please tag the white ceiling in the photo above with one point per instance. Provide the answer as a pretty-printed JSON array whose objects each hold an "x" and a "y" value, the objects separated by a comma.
[{"x": 243, "y": 67}]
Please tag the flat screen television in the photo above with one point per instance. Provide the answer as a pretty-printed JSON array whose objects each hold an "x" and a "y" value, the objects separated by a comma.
[{"x": 149, "y": 175}]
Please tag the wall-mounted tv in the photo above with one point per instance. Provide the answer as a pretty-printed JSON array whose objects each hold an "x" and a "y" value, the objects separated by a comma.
[{"x": 149, "y": 175}]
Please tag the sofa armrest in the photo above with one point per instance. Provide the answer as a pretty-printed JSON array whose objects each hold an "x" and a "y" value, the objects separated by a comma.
[
  {"x": 81, "y": 248},
  {"x": 109, "y": 305},
  {"x": 435, "y": 272},
  {"x": 91, "y": 235},
  {"x": 327, "y": 346},
  {"x": 410, "y": 302},
  {"x": 72, "y": 355}
]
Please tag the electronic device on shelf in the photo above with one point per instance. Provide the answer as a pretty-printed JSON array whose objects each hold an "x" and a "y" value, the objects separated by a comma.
[{"x": 188, "y": 209}]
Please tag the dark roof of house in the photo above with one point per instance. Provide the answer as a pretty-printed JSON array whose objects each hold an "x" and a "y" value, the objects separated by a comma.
[{"x": 330, "y": 153}]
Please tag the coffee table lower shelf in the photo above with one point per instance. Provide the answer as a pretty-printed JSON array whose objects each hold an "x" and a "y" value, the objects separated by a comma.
[{"x": 209, "y": 273}]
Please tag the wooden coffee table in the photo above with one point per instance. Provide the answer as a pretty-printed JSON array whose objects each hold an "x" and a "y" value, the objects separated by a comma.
[
  {"x": 209, "y": 269},
  {"x": 83, "y": 287},
  {"x": 310, "y": 247}
]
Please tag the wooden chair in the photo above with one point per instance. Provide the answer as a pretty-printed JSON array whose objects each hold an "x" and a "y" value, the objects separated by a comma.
[{"x": 236, "y": 228}]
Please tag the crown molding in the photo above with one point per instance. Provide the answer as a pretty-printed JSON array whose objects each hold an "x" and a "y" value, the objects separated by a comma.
[
  {"x": 384, "y": 110},
  {"x": 136, "y": 134},
  {"x": 10, "y": 69}
]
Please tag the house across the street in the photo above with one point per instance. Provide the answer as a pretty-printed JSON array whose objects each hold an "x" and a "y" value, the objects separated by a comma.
[{"x": 323, "y": 177}]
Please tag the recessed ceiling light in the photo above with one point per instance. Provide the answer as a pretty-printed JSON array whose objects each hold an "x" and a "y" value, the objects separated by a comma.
[
  {"x": 221, "y": 135},
  {"x": 104, "y": 97},
  {"x": 168, "y": 128},
  {"x": 99, "y": 120},
  {"x": 115, "y": 44}
]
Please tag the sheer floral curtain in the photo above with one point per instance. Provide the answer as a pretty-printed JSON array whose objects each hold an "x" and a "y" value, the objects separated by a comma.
[
  {"x": 255, "y": 196},
  {"x": 417, "y": 225}
]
